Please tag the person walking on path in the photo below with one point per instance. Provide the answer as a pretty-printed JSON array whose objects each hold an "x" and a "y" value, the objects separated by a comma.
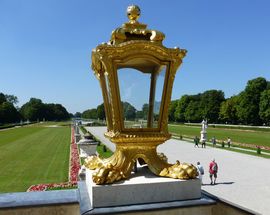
[
  {"x": 214, "y": 141},
  {"x": 213, "y": 169},
  {"x": 203, "y": 143},
  {"x": 229, "y": 142},
  {"x": 200, "y": 171},
  {"x": 196, "y": 141}
]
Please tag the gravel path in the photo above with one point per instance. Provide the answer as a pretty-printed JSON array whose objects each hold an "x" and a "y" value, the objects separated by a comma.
[{"x": 242, "y": 179}]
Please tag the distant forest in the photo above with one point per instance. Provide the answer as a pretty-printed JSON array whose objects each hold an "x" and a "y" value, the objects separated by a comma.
[
  {"x": 249, "y": 107},
  {"x": 34, "y": 110}
]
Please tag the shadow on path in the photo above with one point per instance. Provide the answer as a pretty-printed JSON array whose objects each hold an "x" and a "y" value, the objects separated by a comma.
[{"x": 226, "y": 183}]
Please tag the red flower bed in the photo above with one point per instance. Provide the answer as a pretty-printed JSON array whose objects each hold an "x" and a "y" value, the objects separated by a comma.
[
  {"x": 252, "y": 146},
  {"x": 72, "y": 136},
  {"x": 43, "y": 187},
  {"x": 74, "y": 163},
  {"x": 74, "y": 167}
]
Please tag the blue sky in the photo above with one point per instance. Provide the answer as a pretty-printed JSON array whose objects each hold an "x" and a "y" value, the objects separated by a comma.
[{"x": 45, "y": 46}]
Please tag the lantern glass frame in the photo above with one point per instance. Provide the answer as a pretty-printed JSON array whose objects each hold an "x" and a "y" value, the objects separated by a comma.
[{"x": 146, "y": 65}]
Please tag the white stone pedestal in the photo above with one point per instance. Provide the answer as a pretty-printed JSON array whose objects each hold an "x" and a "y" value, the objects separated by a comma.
[
  {"x": 142, "y": 187},
  {"x": 203, "y": 136}
]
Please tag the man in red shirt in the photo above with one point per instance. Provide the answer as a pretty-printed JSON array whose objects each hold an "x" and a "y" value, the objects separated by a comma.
[{"x": 213, "y": 169}]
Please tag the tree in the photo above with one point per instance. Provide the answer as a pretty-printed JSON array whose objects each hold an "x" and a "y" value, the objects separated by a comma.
[
  {"x": 2, "y": 98},
  {"x": 265, "y": 107},
  {"x": 129, "y": 111},
  {"x": 171, "y": 111},
  {"x": 49, "y": 112},
  {"x": 139, "y": 114},
  {"x": 210, "y": 104},
  {"x": 58, "y": 112},
  {"x": 12, "y": 99},
  {"x": 55, "y": 112},
  {"x": 249, "y": 100},
  {"x": 192, "y": 112},
  {"x": 228, "y": 110},
  {"x": 33, "y": 110},
  {"x": 101, "y": 112},
  {"x": 8, "y": 113},
  {"x": 90, "y": 114},
  {"x": 78, "y": 115},
  {"x": 181, "y": 107}
]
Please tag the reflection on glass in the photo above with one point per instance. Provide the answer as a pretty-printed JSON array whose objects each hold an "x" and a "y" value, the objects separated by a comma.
[
  {"x": 108, "y": 118},
  {"x": 141, "y": 94}
]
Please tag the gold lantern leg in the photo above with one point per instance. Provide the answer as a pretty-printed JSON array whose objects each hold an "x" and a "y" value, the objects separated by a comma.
[{"x": 119, "y": 166}]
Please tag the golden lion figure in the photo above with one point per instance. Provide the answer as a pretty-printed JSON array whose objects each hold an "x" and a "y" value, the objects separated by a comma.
[
  {"x": 180, "y": 171},
  {"x": 107, "y": 173}
]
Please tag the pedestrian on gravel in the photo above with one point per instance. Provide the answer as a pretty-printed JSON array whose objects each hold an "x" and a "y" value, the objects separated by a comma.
[
  {"x": 203, "y": 143},
  {"x": 200, "y": 171},
  {"x": 229, "y": 142},
  {"x": 214, "y": 141},
  {"x": 196, "y": 141},
  {"x": 213, "y": 169}
]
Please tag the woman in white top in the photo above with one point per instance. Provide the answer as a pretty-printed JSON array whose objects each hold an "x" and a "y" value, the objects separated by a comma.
[{"x": 200, "y": 171}]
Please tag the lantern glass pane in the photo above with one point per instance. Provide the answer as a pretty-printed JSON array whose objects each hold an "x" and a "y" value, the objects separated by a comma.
[{"x": 141, "y": 95}]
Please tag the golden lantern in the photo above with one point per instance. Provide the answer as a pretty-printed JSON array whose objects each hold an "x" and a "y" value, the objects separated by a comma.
[{"x": 135, "y": 69}]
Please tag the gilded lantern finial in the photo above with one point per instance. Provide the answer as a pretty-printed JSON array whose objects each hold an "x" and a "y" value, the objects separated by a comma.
[
  {"x": 134, "y": 30},
  {"x": 133, "y": 13}
]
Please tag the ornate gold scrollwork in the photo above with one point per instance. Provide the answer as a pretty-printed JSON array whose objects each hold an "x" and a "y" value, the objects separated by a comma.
[
  {"x": 119, "y": 166},
  {"x": 134, "y": 41}
]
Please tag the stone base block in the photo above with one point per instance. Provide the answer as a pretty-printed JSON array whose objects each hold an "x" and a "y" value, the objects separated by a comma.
[
  {"x": 143, "y": 187},
  {"x": 87, "y": 149}
]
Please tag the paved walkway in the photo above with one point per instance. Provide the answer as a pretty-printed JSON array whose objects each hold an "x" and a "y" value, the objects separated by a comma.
[{"x": 242, "y": 179}]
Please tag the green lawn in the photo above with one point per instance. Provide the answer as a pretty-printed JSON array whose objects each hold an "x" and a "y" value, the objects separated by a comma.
[
  {"x": 261, "y": 138},
  {"x": 33, "y": 155},
  {"x": 104, "y": 154}
]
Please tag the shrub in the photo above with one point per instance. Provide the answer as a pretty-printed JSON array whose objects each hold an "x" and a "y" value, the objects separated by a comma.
[
  {"x": 259, "y": 150},
  {"x": 83, "y": 129},
  {"x": 222, "y": 144}
]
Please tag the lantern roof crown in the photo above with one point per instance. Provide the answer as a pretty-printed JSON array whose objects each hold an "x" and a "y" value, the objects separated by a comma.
[{"x": 134, "y": 30}]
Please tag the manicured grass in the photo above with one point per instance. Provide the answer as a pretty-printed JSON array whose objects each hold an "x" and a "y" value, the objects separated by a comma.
[
  {"x": 33, "y": 155},
  {"x": 261, "y": 138}
]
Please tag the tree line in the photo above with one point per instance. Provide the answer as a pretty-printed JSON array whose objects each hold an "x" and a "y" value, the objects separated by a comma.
[
  {"x": 250, "y": 107},
  {"x": 33, "y": 110},
  {"x": 129, "y": 112}
]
